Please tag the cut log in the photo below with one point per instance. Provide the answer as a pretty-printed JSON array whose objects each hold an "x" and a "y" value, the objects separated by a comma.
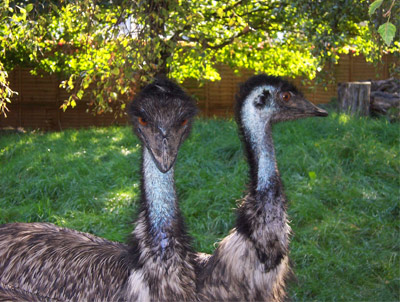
[
  {"x": 354, "y": 98},
  {"x": 385, "y": 98},
  {"x": 391, "y": 85},
  {"x": 381, "y": 102}
]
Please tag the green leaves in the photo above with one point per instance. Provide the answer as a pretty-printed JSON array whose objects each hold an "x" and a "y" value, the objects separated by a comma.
[
  {"x": 387, "y": 32},
  {"x": 29, "y": 7},
  {"x": 115, "y": 71},
  {"x": 374, "y": 6}
]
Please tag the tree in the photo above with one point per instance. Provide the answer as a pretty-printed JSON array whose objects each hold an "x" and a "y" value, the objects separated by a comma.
[{"x": 108, "y": 49}]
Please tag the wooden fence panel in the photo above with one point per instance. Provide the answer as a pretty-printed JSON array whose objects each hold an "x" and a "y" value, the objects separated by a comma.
[{"x": 40, "y": 97}]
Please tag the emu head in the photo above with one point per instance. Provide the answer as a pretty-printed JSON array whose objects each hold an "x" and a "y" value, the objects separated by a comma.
[
  {"x": 162, "y": 116},
  {"x": 263, "y": 100}
]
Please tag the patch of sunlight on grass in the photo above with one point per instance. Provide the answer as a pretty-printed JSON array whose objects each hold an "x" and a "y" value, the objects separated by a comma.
[
  {"x": 79, "y": 153},
  {"x": 117, "y": 139},
  {"x": 120, "y": 201},
  {"x": 59, "y": 220},
  {"x": 344, "y": 118},
  {"x": 55, "y": 135},
  {"x": 74, "y": 136},
  {"x": 369, "y": 194},
  {"x": 126, "y": 151}
]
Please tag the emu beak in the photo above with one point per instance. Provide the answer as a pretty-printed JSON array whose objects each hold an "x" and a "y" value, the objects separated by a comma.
[
  {"x": 298, "y": 108},
  {"x": 309, "y": 109},
  {"x": 164, "y": 155},
  {"x": 304, "y": 108},
  {"x": 320, "y": 112},
  {"x": 164, "y": 149}
]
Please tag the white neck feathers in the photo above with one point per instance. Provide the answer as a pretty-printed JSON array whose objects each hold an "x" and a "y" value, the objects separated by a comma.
[
  {"x": 160, "y": 193},
  {"x": 256, "y": 123}
]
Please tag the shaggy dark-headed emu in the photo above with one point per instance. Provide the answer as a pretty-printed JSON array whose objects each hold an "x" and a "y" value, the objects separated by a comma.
[
  {"x": 43, "y": 262},
  {"x": 251, "y": 263}
]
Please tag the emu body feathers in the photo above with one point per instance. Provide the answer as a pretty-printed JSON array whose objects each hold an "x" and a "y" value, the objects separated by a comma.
[{"x": 41, "y": 257}]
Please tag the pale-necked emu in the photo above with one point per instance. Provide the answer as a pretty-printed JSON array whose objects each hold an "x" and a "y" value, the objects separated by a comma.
[
  {"x": 251, "y": 263},
  {"x": 50, "y": 263}
]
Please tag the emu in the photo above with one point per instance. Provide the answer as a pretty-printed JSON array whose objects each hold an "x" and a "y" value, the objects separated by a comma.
[
  {"x": 252, "y": 263},
  {"x": 43, "y": 262}
]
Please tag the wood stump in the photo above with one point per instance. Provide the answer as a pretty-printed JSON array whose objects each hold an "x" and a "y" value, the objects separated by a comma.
[{"x": 354, "y": 98}]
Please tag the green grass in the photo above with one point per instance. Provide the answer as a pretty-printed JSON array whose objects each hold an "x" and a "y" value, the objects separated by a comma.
[{"x": 341, "y": 177}]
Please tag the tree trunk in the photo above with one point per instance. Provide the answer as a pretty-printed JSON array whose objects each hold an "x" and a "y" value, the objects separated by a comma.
[
  {"x": 162, "y": 69},
  {"x": 157, "y": 33},
  {"x": 354, "y": 98}
]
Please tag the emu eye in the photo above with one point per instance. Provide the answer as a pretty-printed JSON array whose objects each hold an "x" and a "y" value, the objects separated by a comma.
[
  {"x": 286, "y": 96},
  {"x": 142, "y": 121},
  {"x": 184, "y": 122}
]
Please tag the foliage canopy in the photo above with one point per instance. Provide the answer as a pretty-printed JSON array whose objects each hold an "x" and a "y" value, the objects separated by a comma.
[{"x": 108, "y": 49}]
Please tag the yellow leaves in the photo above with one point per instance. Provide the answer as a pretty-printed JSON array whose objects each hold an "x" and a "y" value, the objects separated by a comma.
[
  {"x": 69, "y": 102},
  {"x": 79, "y": 95},
  {"x": 64, "y": 107},
  {"x": 112, "y": 19},
  {"x": 86, "y": 82},
  {"x": 220, "y": 12},
  {"x": 70, "y": 83}
]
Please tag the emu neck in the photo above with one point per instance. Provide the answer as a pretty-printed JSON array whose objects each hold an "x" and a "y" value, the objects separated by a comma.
[
  {"x": 160, "y": 196},
  {"x": 266, "y": 163},
  {"x": 263, "y": 167}
]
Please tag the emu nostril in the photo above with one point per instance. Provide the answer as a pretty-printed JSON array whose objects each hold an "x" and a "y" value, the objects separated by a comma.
[{"x": 163, "y": 131}]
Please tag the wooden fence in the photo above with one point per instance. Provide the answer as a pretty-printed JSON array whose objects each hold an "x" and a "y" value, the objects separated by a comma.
[
  {"x": 217, "y": 98},
  {"x": 40, "y": 97}
]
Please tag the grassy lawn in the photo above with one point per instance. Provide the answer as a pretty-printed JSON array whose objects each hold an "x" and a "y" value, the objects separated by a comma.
[{"x": 341, "y": 177}]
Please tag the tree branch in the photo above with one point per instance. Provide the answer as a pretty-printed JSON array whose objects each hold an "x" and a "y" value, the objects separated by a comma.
[{"x": 206, "y": 43}]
